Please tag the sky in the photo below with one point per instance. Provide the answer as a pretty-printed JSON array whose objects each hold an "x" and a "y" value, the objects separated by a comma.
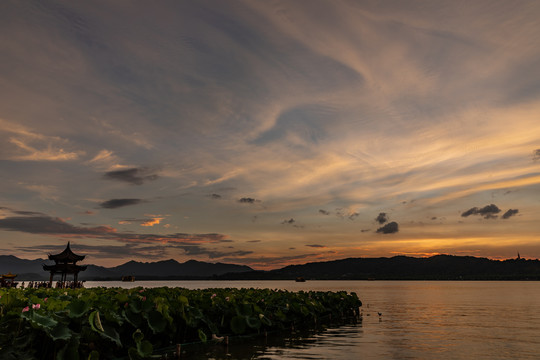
[{"x": 269, "y": 133}]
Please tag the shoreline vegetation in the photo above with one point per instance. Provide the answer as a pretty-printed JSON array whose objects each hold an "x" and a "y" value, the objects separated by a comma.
[{"x": 140, "y": 323}]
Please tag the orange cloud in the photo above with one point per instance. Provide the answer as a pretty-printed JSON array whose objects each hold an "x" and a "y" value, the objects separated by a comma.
[{"x": 152, "y": 222}]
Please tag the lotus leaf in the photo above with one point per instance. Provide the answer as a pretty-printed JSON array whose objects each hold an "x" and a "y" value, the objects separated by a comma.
[
  {"x": 238, "y": 324},
  {"x": 156, "y": 321},
  {"x": 244, "y": 309},
  {"x": 60, "y": 332},
  {"x": 77, "y": 308},
  {"x": 110, "y": 333},
  {"x": 40, "y": 320},
  {"x": 70, "y": 351},
  {"x": 253, "y": 322}
]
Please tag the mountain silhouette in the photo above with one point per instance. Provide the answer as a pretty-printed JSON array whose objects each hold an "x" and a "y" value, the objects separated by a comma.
[
  {"x": 166, "y": 269},
  {"x": 439, "y": 267}
]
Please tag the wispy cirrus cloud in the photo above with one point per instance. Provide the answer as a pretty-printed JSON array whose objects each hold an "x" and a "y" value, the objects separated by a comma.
[
  {"x": 107, "y": 160},
  {"x": 24, "y": 144}
]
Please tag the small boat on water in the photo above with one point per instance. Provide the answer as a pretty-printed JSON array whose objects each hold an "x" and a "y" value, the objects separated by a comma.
[
  {"x": 300, "y": 279},
  {"x": 128, "y": 278},
  {"x": 8, "y": 280}
]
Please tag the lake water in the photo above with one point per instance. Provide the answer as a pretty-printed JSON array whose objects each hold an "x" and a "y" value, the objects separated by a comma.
[{"x": 420, "y": 320}]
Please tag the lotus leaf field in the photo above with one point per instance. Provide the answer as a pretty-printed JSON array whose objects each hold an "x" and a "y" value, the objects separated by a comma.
[{"x": 116, "y": 323}]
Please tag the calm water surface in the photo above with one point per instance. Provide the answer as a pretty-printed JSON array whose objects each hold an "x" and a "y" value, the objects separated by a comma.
[{"x": 420, "y": 320}]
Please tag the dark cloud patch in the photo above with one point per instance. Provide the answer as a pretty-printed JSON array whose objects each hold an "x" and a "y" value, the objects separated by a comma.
[
  {"x": 389, "y": 228},
  {"x": 353, "y": 216},
  {"x": 135, "y": 176},
  {"x": 316, "y": 246},
  {"x": 536, "y": 154},
  {"x": 288, "y": 222},
  {"x": 49, "y": 225},
  {"x": 215, "y": 196},
  {"x": 488, "y": 211},
  {"x": 22, "y": 212},
  {"x": 471, "y": 211},
  {"x": 26, "y": 213},
  {"x": 365, "y": 230},
  {"x": 381, "y": 218},
  {"x": 324, "y": 212},
  {"x": 248, "y": 200},
  {"x": 117, "y": 203},
  {"x": 510, "y": 213},
  {"x": 55, "y": 226}
]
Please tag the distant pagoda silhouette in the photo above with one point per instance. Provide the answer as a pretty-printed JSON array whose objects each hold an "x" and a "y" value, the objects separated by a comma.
[{"x": 65, "y": 263}]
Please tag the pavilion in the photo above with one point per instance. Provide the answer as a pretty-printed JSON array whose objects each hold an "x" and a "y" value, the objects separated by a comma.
[{"x": 65, "y": 263}]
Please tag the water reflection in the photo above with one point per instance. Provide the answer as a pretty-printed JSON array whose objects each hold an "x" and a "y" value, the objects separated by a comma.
[{"x": 295, "y": 345}]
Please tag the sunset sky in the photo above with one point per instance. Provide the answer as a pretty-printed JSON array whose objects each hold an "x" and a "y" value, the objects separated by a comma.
[{"x": 269, "y": 133}]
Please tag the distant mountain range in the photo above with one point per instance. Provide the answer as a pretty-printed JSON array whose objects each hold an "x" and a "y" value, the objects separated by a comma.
[
  {"x": 167, "y": 269},
  {"x": 440, "y": 267}
]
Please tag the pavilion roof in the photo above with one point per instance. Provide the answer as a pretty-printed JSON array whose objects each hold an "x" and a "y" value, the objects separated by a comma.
[{"x": 66, "y": 256}]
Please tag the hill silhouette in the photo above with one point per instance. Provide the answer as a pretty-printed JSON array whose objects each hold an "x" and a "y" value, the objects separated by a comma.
[
  {"x": 167, "y": 269},
  {"x": 439, "y": 267}
]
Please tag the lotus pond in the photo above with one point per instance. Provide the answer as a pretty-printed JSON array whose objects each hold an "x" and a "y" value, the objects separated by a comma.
[{"x": 140, "y": 323}]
